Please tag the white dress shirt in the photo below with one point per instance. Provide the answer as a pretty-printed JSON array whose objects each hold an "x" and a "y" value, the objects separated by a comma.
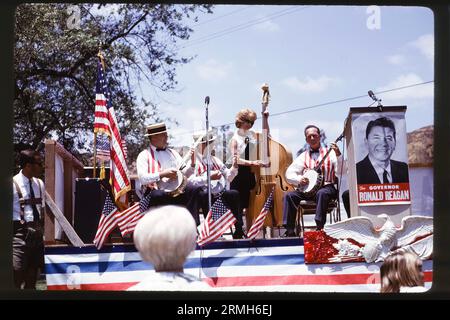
[
  {"x": 199, "y": 177},
  {"x": 240, "y": 136},
  {"x": 380, "y": 170},
  {"x": 24, "y": 185},
  {"x": 295, "y": 171},
  {"x": 166, "y": 159}
]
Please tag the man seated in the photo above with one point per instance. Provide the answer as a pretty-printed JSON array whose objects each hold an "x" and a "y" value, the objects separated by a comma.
[
  {"x": 157, "y": 163},
  {"x": 308, "y": 160},
  {"x": 221, "y": 177}
]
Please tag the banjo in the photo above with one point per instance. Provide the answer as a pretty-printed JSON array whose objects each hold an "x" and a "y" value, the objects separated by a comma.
[
  {"x": 315, "y": 177},
  {"x": 175, "y": 186}
]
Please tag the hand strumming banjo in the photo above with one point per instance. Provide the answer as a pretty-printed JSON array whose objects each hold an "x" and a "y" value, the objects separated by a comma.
[
  {"x": 315, "y": 177},
  {"x": 174, "y": 187}
]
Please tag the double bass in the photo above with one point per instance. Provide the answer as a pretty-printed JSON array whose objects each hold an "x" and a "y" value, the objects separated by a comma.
[{"x": 272, "y": 177}]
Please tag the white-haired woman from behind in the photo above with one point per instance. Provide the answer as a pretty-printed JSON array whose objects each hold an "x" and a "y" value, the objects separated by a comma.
[{"x": 164, "y": 237}]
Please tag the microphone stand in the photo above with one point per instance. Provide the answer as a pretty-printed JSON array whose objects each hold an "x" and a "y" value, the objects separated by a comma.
[
  {"x": 375, "y": 99},
  {"x": 208, "y": 155}
]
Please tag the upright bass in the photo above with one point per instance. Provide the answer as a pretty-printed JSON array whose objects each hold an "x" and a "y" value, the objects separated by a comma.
[{"x": 270, "y": 177}]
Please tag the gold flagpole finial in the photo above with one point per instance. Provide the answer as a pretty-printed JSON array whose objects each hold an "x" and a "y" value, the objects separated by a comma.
[{"x": 101, "y": 57}]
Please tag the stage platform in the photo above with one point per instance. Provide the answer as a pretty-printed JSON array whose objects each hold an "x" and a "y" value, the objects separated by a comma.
[{"x": 265, "y": 265}]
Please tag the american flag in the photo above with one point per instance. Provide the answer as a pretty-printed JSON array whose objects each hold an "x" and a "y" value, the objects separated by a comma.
[
  {"x": 124, "y": 148},
  {"x": 128, "y": 219},
  {"x": 103, "y": 147},
  {"x": 105, "y": 121},
  {"x": 259, "y": 221},
  {"x": 107, "y": 223},
  {"x": 218, "y": 220}
]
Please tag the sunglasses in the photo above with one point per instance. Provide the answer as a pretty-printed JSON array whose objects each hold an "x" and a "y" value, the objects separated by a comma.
[{"x": 248, "y": 121}]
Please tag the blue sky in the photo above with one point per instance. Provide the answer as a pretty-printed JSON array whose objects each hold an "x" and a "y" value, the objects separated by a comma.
[{"x": 308, "y": 55}]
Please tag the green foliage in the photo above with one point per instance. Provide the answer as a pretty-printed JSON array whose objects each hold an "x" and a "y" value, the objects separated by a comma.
[{"x": 55, "y": 63}]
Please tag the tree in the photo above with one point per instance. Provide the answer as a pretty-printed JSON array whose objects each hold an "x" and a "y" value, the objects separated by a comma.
[{"x": 55, "y": 59}]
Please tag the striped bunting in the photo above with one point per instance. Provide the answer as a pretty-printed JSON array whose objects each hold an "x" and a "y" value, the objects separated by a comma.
[{"x": 260, "y": 265}]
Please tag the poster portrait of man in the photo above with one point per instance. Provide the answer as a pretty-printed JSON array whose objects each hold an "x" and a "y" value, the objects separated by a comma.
[{"x": 381, "y": 158}]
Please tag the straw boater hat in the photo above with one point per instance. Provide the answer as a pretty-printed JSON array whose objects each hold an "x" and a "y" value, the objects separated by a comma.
[
  {"x": 211, "y": 136},
  {"x": 155, "y": 129}
]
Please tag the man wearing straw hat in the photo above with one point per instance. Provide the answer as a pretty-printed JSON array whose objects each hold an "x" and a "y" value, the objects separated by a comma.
[
  {"x": 159, "y": 163},
  {"x": 220, "y": 176}
]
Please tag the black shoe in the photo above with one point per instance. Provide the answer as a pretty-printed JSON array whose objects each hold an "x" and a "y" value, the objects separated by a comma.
[
  {"x": 289, "y": 233},
  {"x": 239, "y": 234}
]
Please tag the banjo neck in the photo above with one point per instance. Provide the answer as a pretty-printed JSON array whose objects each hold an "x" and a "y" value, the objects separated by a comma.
[
  {"x": 317, "y": 168},
  {"x": 187, "y": 155}
]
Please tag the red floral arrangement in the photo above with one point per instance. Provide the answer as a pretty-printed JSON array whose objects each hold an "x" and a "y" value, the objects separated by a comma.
[{"x": 318, "y": 247}]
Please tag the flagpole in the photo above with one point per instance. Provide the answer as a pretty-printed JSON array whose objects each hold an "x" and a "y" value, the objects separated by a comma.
[
  {"x": 208, "y": 155},
  {"x": 94, "y": 175},
  {"x": 95, "y": 155}
]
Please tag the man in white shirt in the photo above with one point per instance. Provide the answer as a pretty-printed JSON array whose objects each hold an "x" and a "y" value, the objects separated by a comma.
[
  {"x": 159, "y": 163},
  {"x": 221, "y": 178},
  {"x": 28, "y": 212},
  {"x": 308, "y": 160}
]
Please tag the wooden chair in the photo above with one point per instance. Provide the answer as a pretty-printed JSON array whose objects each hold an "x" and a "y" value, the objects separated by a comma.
[{"x": 309, "y": 207}]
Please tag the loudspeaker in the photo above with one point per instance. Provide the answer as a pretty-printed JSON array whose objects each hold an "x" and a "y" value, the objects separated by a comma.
[{"x": 89, "y": 199}]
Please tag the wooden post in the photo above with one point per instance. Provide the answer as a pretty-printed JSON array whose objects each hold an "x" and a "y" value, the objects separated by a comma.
[
  {"x": 49, "y": 222},
  {"x": 68, "y": 230}
]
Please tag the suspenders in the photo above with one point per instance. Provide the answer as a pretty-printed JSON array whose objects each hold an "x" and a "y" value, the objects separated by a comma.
[{"x": 23, "y": 201}]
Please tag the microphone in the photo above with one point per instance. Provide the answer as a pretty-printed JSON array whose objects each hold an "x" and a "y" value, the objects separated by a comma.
[
  {"x": 207, "y": 100},
  {"x": 374, "y": 98}
]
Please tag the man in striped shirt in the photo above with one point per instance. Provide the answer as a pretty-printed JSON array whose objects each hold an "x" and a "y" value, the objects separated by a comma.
[
  {"x": 308, "y": 160},
  {"x": 159, "y": 162},
  {"x": 221, "y": 177}
]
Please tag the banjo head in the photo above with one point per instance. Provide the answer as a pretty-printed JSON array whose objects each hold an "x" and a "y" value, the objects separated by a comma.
[
  {"x": 314, "y": 183},
  {"x": 312, "y": 176},
  {"x": 175, "y": 186},
  {"x": 218, "y": 186}
]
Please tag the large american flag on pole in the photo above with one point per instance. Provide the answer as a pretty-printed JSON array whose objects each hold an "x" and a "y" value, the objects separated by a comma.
[
  {"x": 218, "y": 220},
  {"x": 106, "y": 122},
  {"x": 107, "y": 223},
  {"x": 259, "y": 221}
]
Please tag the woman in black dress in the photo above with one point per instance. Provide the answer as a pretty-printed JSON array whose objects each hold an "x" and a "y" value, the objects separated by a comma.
[{"x": 243, "y": 143}]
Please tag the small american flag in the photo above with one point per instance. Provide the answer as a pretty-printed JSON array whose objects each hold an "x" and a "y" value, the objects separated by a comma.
[
  {"x": 107, "y": 223},
  {"x": 259, "y": 221},
  {"x": 218, "y": 220},
  {"x": 128, "y": 219},
  {"x": 103, "y": 148}
]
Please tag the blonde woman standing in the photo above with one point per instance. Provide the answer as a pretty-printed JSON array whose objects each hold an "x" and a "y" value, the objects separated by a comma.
[{"x": 243, "y": 140}]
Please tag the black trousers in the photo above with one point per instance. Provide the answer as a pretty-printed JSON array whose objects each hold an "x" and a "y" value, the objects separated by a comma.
[
  {"x": 346, "y": 200},
  {"x": 292, "y": 199},
  {"x": 188, "y": 199},
  {"x": 230, "y": 199}
]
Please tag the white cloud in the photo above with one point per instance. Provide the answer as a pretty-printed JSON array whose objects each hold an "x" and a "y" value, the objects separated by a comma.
[
  {"x": 417, "y": 92},
  {"x": 309, "y": 84},
  {"x": 213, "y": 70},
  {"x": 396, "y": 59},
  {"x": 425, "y": 44},
  {"x": 268, "y": 26}
]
